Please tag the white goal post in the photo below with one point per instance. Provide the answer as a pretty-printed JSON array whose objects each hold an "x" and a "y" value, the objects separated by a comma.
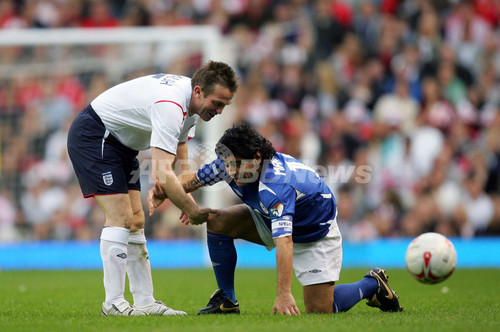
[{"x": 139, "y": 41}]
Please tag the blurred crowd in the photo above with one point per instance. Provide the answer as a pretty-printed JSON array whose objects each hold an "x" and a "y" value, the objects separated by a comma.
[{"x": 394, "y": 102}]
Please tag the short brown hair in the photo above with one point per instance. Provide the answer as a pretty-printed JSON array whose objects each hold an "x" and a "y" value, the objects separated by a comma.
[{"x": 213, "y": 73}]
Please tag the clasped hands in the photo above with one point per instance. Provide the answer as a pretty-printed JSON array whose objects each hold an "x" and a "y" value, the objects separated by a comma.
[{"x": 157, "y": 195}]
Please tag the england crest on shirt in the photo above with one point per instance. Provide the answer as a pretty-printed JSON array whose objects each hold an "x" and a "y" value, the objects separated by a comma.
[{"x": 107, "y": 177}]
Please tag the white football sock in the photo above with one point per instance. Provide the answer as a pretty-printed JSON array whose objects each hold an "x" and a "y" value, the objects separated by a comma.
[
  {"x": 139, "y": 269},
  {"x": 114, "y": 262}
]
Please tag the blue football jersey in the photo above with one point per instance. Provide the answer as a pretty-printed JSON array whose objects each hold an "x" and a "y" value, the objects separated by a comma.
[{"x": 290, "y": 195}]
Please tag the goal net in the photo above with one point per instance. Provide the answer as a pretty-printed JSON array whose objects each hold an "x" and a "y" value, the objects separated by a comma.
[{"x": 46, "y": 77}]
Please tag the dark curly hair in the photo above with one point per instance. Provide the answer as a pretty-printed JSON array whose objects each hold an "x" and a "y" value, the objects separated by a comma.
[
  {"x": 244, "y": 142},
  {"x": 213, "y": 73}
]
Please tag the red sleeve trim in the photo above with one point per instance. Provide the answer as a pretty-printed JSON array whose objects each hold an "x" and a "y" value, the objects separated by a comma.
[{"x": 173, "y": 102}]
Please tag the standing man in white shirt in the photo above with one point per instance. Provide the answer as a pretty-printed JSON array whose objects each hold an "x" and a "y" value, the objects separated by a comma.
[{"x": 158, "y": 112}]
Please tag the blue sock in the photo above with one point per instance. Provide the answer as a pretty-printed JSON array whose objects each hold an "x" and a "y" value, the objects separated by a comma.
[
  {"x": 347, "y": 295},
  {"x": 223, "y": 256}
]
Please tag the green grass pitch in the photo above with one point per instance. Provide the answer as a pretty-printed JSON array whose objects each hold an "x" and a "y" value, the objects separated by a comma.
[{"x": 70, "y": 301}]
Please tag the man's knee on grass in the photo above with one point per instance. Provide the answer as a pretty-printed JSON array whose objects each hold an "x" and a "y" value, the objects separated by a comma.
[{"x": 318, "y": 299}]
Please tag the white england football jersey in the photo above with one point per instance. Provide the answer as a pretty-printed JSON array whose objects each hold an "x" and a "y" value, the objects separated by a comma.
[{"x": 149, "y": 111}]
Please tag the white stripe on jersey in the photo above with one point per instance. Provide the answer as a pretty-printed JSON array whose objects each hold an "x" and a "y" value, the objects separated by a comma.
[
  {"x": 263, "y": 187},
  {"x": 299, "y": 194}
]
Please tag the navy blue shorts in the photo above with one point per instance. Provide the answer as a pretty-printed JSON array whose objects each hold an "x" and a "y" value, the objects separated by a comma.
[{"x": 102, "y": 164}]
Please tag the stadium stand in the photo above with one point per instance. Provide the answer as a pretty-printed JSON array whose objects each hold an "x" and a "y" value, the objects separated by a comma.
[{"x": 395, "y": 102}]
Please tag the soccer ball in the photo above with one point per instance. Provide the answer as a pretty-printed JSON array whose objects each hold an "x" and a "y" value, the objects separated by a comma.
[{"x": 431, "y": 258}]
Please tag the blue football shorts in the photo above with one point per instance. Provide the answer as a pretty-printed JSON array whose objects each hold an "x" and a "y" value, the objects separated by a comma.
[{"x": 102, "y": 164}]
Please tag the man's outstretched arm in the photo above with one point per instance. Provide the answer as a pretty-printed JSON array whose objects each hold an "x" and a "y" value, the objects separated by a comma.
[
  {"x": 284, "y": 303},
  {"x": 190, "y": 182},
  {"x": 168, "y": 185}
]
